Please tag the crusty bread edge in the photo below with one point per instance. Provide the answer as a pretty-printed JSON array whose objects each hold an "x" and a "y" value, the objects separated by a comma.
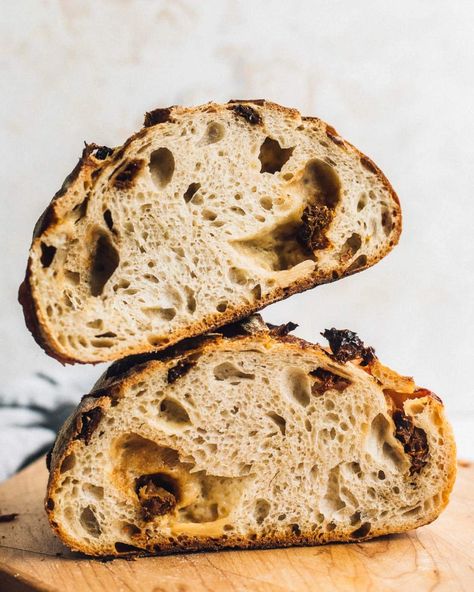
[
  {"x": 109, "y": 387},
  {"x": 85, "y": 170}
]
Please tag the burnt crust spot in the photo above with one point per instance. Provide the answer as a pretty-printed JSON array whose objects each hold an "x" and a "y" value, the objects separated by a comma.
[
  {"x": 345, "y": 345},
  {"x": 181, "y": 368},
  {"x": 87, "y": 423},
  {"x": 248, "y": 113},
  {"x": 47, "y": 219},
  {"x": 122, "y": 178},
  {"x": 259, "y": 102},
  {"x": 414, "y": 440},
  {"x": 368, "y": 164},
  {"x": 102, "y": 152},
  {"x": 160, "y": 115},
  {"x": 315, "y": 220},
  {"x": 8, "y": 517},
  {"x": 328, "y": 380},
  {"x": 49, "y": 456},
  {"x": 156, "y": 494},
  {"x": 281, "y": 330}
]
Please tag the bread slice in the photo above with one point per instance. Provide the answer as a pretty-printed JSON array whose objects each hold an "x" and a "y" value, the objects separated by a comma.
[
  {"x": 255, "y": 440},
  {"x": 205, "y": 215}
]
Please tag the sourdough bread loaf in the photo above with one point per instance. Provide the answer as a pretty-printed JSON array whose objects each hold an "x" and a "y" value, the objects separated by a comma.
[
  {"x": 249, "y": 438},
  {"x": 204, "y": 216}
]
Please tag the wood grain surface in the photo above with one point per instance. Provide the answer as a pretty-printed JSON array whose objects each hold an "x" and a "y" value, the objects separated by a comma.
[{"x": 436, "y": 557}]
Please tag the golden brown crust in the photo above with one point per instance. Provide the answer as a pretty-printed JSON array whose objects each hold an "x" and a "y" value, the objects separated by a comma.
[{"x": 87, "y": 172}]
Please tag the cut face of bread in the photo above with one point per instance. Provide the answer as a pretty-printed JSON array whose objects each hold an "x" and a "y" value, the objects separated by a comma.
[
  {"x": 204, "y": 216},
  {"x": 258, "y": 440}
]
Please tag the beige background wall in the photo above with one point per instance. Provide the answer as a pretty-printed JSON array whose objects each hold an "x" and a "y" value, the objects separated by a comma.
[{"x": 395, "y": 78}]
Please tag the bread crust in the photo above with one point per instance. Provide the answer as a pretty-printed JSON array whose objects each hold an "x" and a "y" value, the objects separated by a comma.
[
  {"x": 114, "y": 385},
  {"x": 85, "y": 173}
]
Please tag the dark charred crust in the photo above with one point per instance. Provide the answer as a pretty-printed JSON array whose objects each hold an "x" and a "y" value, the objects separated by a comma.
[
  {"x": 8, "y": 517},
  {"x": 49, "y": 455},
  {"x": 87, "y": 423},
  {"x": 100, "y": 392},
  {"x": 86, "y": 152},
  {"x": 123, "y": 366},
  {"x": 250, "y": 115},
  {"x": 368, "y": 164},
  {"x": 414, "y": 440},
  {"x": 332, "y": 134},
  {"x": 346, "y": 345},
  {"x": 102, "y": 152},
  {"x": 181, "y": 368},
  {"x": 259, "y": 102},
  {"x": 315, "y": 220},
  {"x": 156, "y": 495},
  {"x": 157, "y": 116},
  {"x": 31, "y": 317},
  {"x": 123, "y": 177},
  {"x": 328, "y": 380},
  {"x": 281, "y": 330},
  {"x": 48, "y": 218}
]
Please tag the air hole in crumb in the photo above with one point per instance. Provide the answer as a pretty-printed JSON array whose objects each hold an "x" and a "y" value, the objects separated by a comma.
[
  {"x": 108, "y": 219},
  {"x": 362, "y": 202},
  {"x": 257, "y": 292},
  {"x": 209, "y": 215},
  {"x": 190, "y": 299},
  {"x": 278, "y": 420},
  {"x": 386, "y": 219},
  {"x": 105, "y": 261},
  {"x": 262, "y": 509},
  {"x": 351, "y": 246},
  {"x": 125, "y": 548},
  {"x": 94, "y": 490},
  {"x": 47, "y": 254},
  {"x": 381, "y": 475},
  {"x": 298, "y": 386},
  {"x": 272, "y": 156},
  {"x": 68, "y": 463},
  {"x": 157, "y": 340},
  {"x": 89, "y": 522},
  {"x": 228, "y": 371},
  {"x": 214, "y": 132},
  {"x": 266, "y": 203},
  {"x": 173, "y": 411},
  {"x": 73, "y": 277},
  {"x": 81, "y": 209},
  {"x": 190, "y": 191},
  {"x": 362, "y": 531},
  {"x": 357, "y": 264},
  {"x": 167, "y": 314},
  {"x": 161, "y": 166},
  {"x": 222, "y": 306},
  {"x": 238, "y": 276},
  {"x": 129, "y": 529}
]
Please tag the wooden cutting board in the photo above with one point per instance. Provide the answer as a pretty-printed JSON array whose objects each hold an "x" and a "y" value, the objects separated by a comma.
[{"x": 439, "y": 556}]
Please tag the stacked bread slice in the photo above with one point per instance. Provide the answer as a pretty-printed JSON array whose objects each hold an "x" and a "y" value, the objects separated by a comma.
[{"x": 210, "y": 431}]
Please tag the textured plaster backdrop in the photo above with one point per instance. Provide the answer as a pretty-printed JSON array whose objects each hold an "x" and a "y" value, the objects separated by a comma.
[{"x": 395, "y": 78}]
